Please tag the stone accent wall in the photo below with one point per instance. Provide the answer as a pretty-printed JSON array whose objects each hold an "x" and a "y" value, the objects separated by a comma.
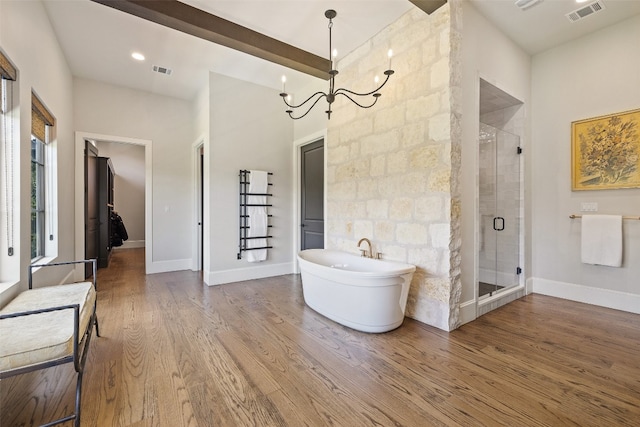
[{"x": 392, "y": 169}]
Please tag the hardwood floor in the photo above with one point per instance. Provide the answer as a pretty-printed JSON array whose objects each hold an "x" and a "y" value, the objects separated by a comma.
[{"x": 177, "y": 353}]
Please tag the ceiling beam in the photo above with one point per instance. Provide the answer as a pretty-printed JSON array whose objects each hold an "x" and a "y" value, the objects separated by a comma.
[
  {"x": 429, "y": 6},
  {"x": 196, "y": 22}
]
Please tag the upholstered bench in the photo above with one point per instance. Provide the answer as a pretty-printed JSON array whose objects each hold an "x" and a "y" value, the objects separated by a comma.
[{"x": 49, "y": 326}]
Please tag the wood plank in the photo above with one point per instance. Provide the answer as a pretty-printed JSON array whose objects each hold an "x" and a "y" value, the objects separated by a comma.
[
  {"x": 196, "y": 22},
  {"x": 176, "y": 352}
]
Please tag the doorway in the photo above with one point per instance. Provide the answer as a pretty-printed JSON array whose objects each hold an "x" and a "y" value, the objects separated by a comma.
[
  {"x": 312, "y": 195},
  {"x": 500, "y": 199},
  {"x": 91, "y": 221},
  {"x": 80, "y": 138},
  {"x": 499, "y": 210}
]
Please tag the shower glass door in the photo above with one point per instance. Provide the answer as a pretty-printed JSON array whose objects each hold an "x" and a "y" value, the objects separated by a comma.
[{"x": 500, "y": 210}]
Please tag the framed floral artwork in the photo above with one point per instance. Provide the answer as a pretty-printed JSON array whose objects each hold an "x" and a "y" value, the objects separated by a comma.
[{"x": 605, "y": 152}]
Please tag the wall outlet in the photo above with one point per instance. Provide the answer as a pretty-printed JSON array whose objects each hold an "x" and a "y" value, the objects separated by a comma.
[{"x": 589, "y": 207}]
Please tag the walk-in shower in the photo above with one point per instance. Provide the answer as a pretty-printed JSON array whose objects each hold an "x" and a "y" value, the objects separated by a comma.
[
  {"x": 499, "y": 210},
  {"x": 500, "y": 199}
]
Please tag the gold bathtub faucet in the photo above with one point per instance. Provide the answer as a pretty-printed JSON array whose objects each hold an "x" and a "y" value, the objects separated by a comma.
[{"x": 363, "y": 252}]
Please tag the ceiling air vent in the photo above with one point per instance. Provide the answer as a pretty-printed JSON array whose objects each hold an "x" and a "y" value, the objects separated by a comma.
[
  {"x": 162, "y": 70},
  {"x": 585, "y": 11},
  {"x": 526, "y": 4}
]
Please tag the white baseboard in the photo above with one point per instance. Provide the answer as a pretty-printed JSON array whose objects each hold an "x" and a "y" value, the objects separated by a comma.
[
  {"x": 213, "y": 278},
  {"x": 597, "y": 296},
  {"x": 131, "y": 244},
  {"x": 467, "y": 312},
  {"x": 165, "y": 266}
]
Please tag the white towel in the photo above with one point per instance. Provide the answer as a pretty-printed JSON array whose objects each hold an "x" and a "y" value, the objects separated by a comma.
[
  {"x": 258, "y": 182},
  {"x": 602, "y": 240}
]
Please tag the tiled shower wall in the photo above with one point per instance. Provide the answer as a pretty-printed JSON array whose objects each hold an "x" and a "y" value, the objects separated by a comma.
[{"x": 501, "y": 184}]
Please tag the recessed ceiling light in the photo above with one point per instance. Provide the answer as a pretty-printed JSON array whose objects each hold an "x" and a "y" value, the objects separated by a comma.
[
  {"x": 137, "y": 56},
  {"x": 581, "y": 1}
]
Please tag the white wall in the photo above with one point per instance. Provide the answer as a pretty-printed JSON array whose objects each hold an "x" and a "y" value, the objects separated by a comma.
[
  {"x": 27, "y": 38},
  {"x": 591, "y": 76},
  {"x": 167, "y": 122},
  {"x": 201, "y": 118},
  {"x": 490, "y": 55},
  {"x": 128, "y": 163},
  {"x": 316, "y": 121},
  {"x": 248, "y": 130}
]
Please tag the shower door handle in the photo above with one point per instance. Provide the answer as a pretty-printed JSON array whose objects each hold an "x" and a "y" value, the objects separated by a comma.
[{"x": 495, "y": 223}]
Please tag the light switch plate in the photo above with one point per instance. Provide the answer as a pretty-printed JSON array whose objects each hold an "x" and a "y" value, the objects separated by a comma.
[{"x": 589, "y": 207}]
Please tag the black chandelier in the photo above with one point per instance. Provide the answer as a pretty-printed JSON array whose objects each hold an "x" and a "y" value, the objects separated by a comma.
[{"x": 333, "y": 92}]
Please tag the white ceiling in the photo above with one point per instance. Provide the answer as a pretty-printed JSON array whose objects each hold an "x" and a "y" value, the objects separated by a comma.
[{"x": 98, "y": 41}]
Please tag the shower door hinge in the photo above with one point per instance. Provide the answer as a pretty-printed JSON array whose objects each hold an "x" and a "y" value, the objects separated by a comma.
[
  {"x": 519, "y": 150},
  {"x": 518, "y": 270}
]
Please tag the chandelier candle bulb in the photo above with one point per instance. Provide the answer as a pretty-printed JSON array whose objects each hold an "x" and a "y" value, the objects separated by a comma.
[
  {"x": 330, "y": 96},
  {"x": 284, "y": 80}
]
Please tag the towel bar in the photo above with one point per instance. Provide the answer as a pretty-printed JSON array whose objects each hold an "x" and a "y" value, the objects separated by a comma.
[
  {"x": 244, "y": 196},
  {"x": 624, "y": 217}
]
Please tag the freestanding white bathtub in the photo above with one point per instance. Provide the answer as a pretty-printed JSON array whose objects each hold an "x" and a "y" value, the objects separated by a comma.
[{"x": 366, "y": 294}]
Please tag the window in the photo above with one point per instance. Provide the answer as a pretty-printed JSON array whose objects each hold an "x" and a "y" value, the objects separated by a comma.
[
  {"x": 37, "y": 198},
  {"x": 41, "y": 178},
  {"x": 9, "y": 264}
]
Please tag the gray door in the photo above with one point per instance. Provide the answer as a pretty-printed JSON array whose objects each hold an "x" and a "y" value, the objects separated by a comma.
[
  {"x": 312, "y": 196},
  {"x": 91, "y": 222}
]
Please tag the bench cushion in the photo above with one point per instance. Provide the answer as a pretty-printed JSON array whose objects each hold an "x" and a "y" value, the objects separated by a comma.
[{"x": 37, "y": 338}]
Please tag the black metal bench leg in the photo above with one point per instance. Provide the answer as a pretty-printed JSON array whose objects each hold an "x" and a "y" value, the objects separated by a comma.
[
  {"x": 97, "y": 328},
  {"x": 76, "y": 422}
]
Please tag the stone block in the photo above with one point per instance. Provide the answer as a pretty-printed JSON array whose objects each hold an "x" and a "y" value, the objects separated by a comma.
[
  {"x": 440, "y": 127},
  {"x": 413, "y": 134},
  {"x": 389, "y": 118},
  {"x": 367, "y": 189},
  {"x": 413, "y": 183},
  {"x": 356, "y": 129},
  {"x": 428, "y": 259},
  {"x": 440, "y": 73},
  {"x": 423, "y": 107},
  {"x": 337, "y": 154},
  {"x": 401, "y": 209},
  {"x": 440, "y": 180},
  {"x": 378, "y": 208},
  {"x": 411, "y": 233},
  {"x": 362, "y": 229},
  {"x": 430, "y": 208},
  {"x": 353, "y": 169},
  {"x": 440, "y": 235},
  {"x": 425, "y": 157},
  {"x": 397, "y": 162},
  {"x": 380, "y": 142},
  {"x": 342, "y": 190},
  {"x": 384, "y": 231},
  {"x": 377, "y": 166}
]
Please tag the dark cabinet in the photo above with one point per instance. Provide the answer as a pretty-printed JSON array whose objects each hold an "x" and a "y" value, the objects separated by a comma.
[{"x": 105, "y": 177}]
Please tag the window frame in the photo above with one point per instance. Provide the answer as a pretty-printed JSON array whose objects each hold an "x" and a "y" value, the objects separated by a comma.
[
  {"x": 43, "y": 188},
  {"x": 38, "y": 198}
]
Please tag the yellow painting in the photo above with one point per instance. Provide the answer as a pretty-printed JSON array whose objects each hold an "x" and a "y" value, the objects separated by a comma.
[{"x": 605, "y": 152}]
